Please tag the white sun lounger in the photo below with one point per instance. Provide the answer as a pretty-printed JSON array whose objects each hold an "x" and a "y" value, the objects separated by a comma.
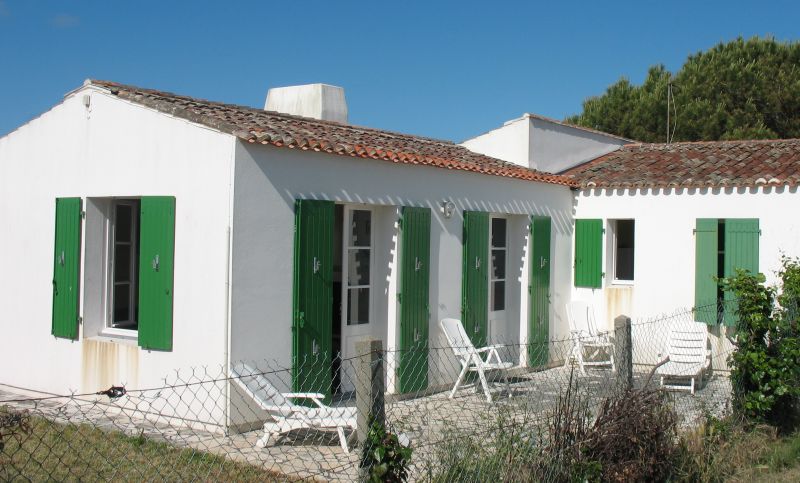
[
  {"x": 687, "y": 356},
  {"x": 288, "y": 416}
]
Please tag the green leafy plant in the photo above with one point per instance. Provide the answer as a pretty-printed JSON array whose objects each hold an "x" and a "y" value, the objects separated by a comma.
[
  {"x": 384, "y": 458},
  {"x": 765, "y": 374}
]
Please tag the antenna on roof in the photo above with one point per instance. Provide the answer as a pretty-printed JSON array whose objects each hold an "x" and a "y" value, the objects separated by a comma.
[{"x": 671, "y": 96}]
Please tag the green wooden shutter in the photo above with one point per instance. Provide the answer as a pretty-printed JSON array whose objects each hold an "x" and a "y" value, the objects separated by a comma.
[
  {"x": 312, "y": 337},
  {"x": 741, "y": 252},
  {"x": 538, "y": 330},
  {"x": 66, "y": 268},
  {"x": 156, "y": 271},
  {"x": 414, "y": 297},
  {"x": 588, "y": 253},
  {"x": 475, "y": 273},
  {"x": 706, "y": 239}
]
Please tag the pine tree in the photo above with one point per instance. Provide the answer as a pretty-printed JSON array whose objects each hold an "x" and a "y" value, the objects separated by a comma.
[{"x": 744, "y": 89}]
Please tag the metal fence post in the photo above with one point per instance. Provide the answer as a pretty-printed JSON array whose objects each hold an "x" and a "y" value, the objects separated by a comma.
[
  {"x": 624, "y": 350},
  {"x": 369, "y": 386}
]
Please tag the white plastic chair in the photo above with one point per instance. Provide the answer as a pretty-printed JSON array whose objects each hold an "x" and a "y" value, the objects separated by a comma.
[
  {"x": 687, "y": 356},
  {"x": 586, "y": 336},
  {"x": 470, "y": 357},
  {"x": 288, "y": 416}
]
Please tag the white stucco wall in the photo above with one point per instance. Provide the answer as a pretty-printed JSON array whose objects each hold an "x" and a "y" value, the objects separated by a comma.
[
  {"x": 556, "y": 147},
  {"x": 665, "y": 249},
  {"x": 546, "y": 145},
  {"x": 268, "y": 180},
  {"x": 113, "y": 149},
  {"x": 508, "y": 142}
]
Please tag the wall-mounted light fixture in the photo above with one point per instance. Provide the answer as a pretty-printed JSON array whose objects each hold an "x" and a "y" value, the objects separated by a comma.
[{"x": 448, "y": 207}]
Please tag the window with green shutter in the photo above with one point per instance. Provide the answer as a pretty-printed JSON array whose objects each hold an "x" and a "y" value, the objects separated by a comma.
[
  {"x": 156, "y": 270},
  {"x": 66, "y": 268},
  {"x": 415, "y": 240},
  {"x": 721, "y": 247},
  {"x": 706, "y": 270},
  {"x": 312, "y": 336},
  {"x": 740, "y": 252},
  {"x": 475, "y": 276},
  {"x": 588, "y": 253}
]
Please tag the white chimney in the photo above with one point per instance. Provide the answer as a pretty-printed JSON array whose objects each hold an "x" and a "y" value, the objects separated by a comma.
[{"x": 320, "y": 101}]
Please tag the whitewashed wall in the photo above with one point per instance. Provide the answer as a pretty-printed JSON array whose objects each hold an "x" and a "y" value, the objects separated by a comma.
[
  {"x": 114, "y": 148},
  {"x": 268, "y": 180},
  {"x": 665, "y": 248},
  {"x": 543, "y": 144}
]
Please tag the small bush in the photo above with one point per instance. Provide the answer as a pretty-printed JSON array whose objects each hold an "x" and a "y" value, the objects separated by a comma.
[
  {"x": 384, "y": 458},
  {"x": 765, "y": 374},
  {"x": 633, "y": 437}
]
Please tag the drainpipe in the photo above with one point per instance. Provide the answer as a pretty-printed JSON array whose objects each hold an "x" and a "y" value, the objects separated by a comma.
[{"x": 228, "y": 288}]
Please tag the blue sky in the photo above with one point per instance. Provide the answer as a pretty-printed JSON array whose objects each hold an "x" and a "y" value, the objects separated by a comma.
[{"x": 449, "y": 70}]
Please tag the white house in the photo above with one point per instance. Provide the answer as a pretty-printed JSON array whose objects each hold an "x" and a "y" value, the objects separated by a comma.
[
  {"x": 148, "y": 231},
  {"x": 655, "y": 223},
  {"x": 153, "y": 231}
]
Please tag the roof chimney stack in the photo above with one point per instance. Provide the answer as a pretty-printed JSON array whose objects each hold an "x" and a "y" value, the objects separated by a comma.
[{"x": 319, "y": 101}]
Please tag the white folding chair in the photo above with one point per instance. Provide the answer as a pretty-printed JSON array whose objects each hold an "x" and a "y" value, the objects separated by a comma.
[
  {"x": 470, "y": 357},
  {"x": 587, "y": 337}
]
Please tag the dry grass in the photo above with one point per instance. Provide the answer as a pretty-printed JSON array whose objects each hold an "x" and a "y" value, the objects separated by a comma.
[
  {"x": 41, "y": 450},
  {"x": 725, "y": 451}
]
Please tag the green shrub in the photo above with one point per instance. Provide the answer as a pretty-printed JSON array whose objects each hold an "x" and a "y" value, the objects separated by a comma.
[
  {"x": 765, "y": 374},
  {"x": 384, "y": 458}
]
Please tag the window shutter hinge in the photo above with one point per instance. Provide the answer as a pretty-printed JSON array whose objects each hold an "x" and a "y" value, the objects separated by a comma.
[
  {"x": 83, "y": 215},
  {"x": 604, "y": 231},
  {"x": 399, "y": 298},
  {"x": 80, "y": 320},
  {"x": 694, "y": 231}
]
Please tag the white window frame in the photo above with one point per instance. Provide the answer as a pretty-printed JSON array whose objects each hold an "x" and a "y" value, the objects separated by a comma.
[
  {"x": 491, "y": 267},
  {"x": 613, "y": 227},
  {"x": 346, "y": 247},
  {"x": 108, "y": 326}
]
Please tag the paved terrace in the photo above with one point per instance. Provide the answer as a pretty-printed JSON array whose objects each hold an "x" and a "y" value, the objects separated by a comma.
[{"x": 429, "y": 421}]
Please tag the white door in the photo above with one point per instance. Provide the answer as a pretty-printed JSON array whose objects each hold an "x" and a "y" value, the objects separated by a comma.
[
  {"x": 498, "y": 246},
  {"x": 356, "y": 285}
]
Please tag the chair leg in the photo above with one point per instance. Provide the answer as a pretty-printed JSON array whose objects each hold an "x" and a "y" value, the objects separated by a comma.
[
  {"x": 508, "y": 385},
  {"x": 270, "y": 429},
  {"x": 613, "y": 366},
  {"x": 342, "y": 439},
  {"x": 580, "y": 360},
  {"x": 460, "y": 378},
  {"x": 692, "y": 386},
  {"x": 484, "y": 384}
]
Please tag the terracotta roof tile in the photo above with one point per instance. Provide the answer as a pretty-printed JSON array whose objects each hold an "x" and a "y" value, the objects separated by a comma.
[
  {"x": 696, "y": 164},
  {"x": 283, "y": 130}
]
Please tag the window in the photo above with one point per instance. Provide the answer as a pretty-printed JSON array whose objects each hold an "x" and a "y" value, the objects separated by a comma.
[
  {"x": 721, "y": 247},
  {"x": 124, "y": 261},
  {"x": 622, "y": 249},
  {"x": 497, "y": 277},
  {"x": 358, "y": 256},
  {"x": 588, "y": 253}
]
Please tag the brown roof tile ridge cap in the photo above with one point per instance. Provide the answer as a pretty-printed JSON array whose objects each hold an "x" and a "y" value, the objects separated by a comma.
[
  {"x": 245, "y": 135},
  {"x": 576, "y": 126},
  {"x": 578, "y": 168},
  {"x": 505, "y": 169},
  {"x": 717, "y": 142},
  {"x": 112, "y": 85}
]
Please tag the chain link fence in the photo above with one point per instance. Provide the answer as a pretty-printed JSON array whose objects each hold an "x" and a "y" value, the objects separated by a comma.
[{"x": 259, "y": 420}]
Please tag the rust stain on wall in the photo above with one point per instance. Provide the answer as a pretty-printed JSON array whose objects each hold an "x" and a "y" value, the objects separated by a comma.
[
  {"x": 107, "y": 363},
  {"x": 619, "y": 301}
]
